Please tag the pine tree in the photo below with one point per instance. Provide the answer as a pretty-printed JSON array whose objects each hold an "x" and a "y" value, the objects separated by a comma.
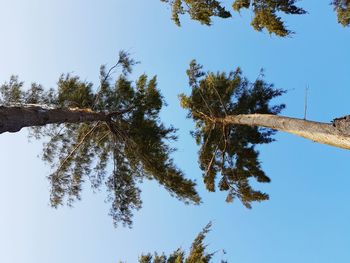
[
  {"x": 197, "y": 253},
  {"x": 266, "y": 13},
  {"x": 200, "y": 10},
  {"x": 112, "y": 136},
  {"x": 342, "y": 7},
  {"x": 232, "y": 116}
]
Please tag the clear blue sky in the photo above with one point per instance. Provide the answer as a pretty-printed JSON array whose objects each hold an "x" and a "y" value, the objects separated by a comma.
[{"x": 307, "y": 218}]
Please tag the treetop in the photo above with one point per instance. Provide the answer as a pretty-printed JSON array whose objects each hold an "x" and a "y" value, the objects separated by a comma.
[
  {"x": 266, "y": 14},
  {"x": 227, "y": 150}
]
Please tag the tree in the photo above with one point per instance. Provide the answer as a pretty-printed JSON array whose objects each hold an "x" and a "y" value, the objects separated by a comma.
[
  {"x": 232, "y": 116},
  {"x": 342, "y": 7},
  {"x": 197, "y": 253},
  {"x": 201, "y": 11},
  {"x": 116, "y": 128},
  {"x": 266, "y": 13}
]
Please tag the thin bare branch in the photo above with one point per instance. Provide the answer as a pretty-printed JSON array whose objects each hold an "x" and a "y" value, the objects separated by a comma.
[
  {"x": 77, "y": 147},
  {"x": 211, "y": 161},
  {"x": 103, "y": 136},
  {"x": 225, "y": 146},
  {"x": 98, "y": 93},
  {"x": 217, "y": 93},
  {"x": 206, "y": 104},
  {"x": 206, "y": 117},
  {"x": 206, "y": 141}
]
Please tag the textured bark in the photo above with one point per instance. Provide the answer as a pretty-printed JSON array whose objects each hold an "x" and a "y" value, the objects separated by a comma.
[
  {"x": 13, "y": 119},
  {"x": 335, "y": 134}
]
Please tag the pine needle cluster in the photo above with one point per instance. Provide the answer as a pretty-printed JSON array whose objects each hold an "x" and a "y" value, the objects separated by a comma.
[
  {"x": 265, "y": 12},
  {"x": 130, "y": 146},
  {"x": 229, "y": 150},
  {"x": 197, "y": 253}
]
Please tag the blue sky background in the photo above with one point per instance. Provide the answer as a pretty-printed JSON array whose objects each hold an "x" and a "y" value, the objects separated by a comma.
[{"x": 307, "y": 218}]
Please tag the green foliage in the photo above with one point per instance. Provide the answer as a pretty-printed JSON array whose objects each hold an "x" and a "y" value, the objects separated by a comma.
[
  {"x": 200, "y": 10},
  {"x": 74, "y": 93},
  {"x": 197, "y": 253},
  {"x": 11, "y": 92},
  {"x": 342, "y": 7},
  {"x": 266, "y": 12},
  {"x": 120, "y": 152},
  {"x": 229, "y": 150}
]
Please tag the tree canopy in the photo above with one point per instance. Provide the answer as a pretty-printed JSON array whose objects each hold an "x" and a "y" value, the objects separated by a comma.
[
  {"x": 342, "y": 7},
  {"x": 120, "y": 152},
  {"x": 228, "y": 150},
  {"x": 197, "y": 253},
  {"x": 266, "y": 14}
]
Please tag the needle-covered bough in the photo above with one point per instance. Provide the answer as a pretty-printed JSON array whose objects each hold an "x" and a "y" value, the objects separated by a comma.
[
  {"x": 232, "y": 116},
  {"x": 266, "y": 14},
  {"x": 112, "y": 136}
]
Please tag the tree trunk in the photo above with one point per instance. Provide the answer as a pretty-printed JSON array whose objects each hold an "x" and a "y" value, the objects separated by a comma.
[
  {"x": 336, "y": 134},
  {"x": 13, "y": 118}
]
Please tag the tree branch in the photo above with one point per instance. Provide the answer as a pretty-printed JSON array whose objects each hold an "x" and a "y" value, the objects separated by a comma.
[{"x": 76, "y": 147}]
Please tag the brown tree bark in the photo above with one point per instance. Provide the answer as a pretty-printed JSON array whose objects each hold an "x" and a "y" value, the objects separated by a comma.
[
  {"x": 335, "y": 134},
  {"x": 14, "y": 118}
]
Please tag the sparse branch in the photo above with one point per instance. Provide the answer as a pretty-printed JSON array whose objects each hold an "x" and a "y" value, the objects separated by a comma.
[
  {"x": 211, "y": 161},
  {"x": 77, "y": 147},
  {"x": 98, "y": 93}
]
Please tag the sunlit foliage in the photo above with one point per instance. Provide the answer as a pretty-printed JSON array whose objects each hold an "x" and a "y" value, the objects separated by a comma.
[
  {"x": 225, "y": 149},
  {"x": 12, "y": 93},
  {"x": 266, "y": 13},
  {"x": 119, "y": 153},
  {"x": 342, "y": 7},
  {"x": 197, "y": 253},
  {"x": 200, "y": 10}
]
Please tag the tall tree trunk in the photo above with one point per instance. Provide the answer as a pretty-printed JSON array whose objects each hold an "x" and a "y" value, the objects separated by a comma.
[
  {"x": 13, "y": 119},
  {"x": 336, "y": 134}
]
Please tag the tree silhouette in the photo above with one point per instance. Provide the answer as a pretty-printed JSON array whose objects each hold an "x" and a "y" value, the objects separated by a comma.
[
  {"x": 232, "y": 116},
  {"x": 266, "y": 13},
  {"x": 112, "y": 136}
]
